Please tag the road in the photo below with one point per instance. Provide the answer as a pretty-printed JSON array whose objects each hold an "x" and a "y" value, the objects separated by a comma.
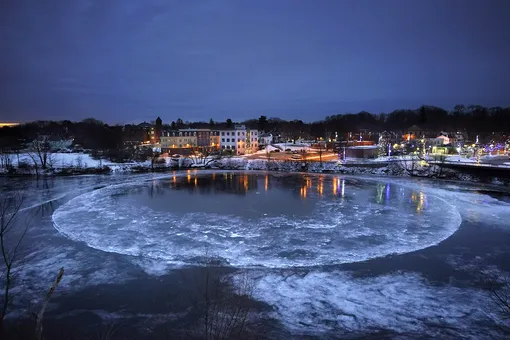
[{"x": 309, "y": 156}]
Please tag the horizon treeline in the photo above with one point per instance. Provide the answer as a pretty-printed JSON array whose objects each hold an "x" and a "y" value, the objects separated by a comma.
[{"x": 95, "y": 134}]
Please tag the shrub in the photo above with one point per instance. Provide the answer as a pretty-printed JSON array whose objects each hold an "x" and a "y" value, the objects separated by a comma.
[
  {"x": 24, "y": 165},
  {"x": 119, "y": 156}
]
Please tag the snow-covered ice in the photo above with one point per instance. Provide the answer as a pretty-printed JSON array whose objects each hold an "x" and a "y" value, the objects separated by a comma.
[
  {"x": 338, "y": 302},
  {"x": 346, "y": 227}
]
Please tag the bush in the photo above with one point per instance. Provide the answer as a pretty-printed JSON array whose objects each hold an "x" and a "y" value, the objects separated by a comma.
[
  {"x": 160, "y": 161},
  {"x": 105, "y": 169},
  {"x": 24, "y": 165},
  {"x": 96, "y": 154},
  {"x": 119, "y": 156},
  {"x": 140, "y": 169}
]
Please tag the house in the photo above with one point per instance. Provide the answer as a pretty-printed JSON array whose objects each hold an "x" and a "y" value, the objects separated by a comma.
[
  {"x": 461, "y": 137},
  {"x": 265, "y": 139},
  {"x": 239, "y": 140},
  {"x": 443, "y": 139},
  {"x": 416, "y": 132}
]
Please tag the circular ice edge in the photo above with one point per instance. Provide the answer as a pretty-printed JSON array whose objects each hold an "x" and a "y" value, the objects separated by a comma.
[{"x": 328, "y": 237}]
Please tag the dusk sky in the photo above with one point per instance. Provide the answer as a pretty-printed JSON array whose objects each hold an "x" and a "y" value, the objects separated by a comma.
[{"x": 133, "y": 60}]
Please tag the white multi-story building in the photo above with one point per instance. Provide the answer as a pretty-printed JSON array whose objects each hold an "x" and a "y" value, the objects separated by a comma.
[{"x": 239, "y": 140}]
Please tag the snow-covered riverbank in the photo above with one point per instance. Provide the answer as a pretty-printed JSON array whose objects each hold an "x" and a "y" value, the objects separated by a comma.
[{"x": 80, "y": 163}]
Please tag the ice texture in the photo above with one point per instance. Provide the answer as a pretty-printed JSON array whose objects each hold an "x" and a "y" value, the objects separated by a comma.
[{"x": 336, "y": 231}]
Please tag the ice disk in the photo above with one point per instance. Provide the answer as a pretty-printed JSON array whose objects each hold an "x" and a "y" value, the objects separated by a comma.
[{"x": 364, "y": 221}]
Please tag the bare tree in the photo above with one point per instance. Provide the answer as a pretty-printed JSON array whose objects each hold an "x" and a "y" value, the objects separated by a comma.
[
  {"x": 40, "y": 148},
  {"x": 41, "y": 152},
  {"x": 416, "y": 164},
  {"x": 221, "y": 306},
  {"x": 268, "y": 158},
  {"x": 40, "y": 315},
  {"x": 33, "y": 157},
  {"x": 320, "y": 153},
  {"x": 419, "y": 165},
  {"x": 79, "y": 162},
  {"x": 6, "y": 160},
  {"x": 156, "y": 161},
  {"x": 498, "y": 287},
  {"x": 501, "y": 297},
  {"x": 9, "y": 209},
  {"x": 438, "y": 166},
  {"x": 202, "y": 156}
]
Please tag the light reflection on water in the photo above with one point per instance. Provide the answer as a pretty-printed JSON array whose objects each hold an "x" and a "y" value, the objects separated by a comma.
[{"x": 306, "y": 187}]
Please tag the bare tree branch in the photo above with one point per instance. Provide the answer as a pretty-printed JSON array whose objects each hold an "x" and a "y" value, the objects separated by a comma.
[
  {"x": 9, "y": 209},
  {"x": 40, "y": 315}
]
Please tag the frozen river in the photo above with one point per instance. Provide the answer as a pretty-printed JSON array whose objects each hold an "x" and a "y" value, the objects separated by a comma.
[{"x": 326, "y": 255}]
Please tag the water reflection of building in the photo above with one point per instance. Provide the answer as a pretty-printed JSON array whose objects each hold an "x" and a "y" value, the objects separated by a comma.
[
  {"x": 216, "y": 183},
  {"x": 155, "y": 188},
  {"x": 305, "y": 185},
  {"x": 420, "y": 199},
  {"x": 309, "y": 186},
  {"x": 320, "y": 186},
  {"x": 383, "y": 193},
  {"x": 338, "y": 186}
]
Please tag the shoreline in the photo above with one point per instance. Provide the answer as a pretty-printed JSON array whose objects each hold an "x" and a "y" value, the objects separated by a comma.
[{"x": 397, "y": 169}]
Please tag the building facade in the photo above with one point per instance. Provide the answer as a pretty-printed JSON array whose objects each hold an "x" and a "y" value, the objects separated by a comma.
[
  {"x": 239, "y": 140},
  {"x": 204, "y": 137},
  {"x": 178, "y": 139},
  {"x": 214, "y": 139},
  {"x": 181, "y": 141}
]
